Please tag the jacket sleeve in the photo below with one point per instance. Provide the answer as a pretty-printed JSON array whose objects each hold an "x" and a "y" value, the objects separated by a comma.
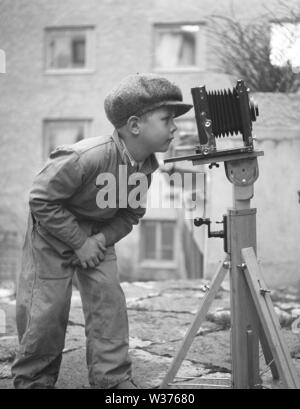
[
  {"x": 53, "y": 186},
  {"x": 122, "y": 223}
]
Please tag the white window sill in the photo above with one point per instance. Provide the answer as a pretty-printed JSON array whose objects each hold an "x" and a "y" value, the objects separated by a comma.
[
  {"x": 179, "y": 70},
  {"x": 74, "y": 71},
  {"x": 158, "y": 264}
]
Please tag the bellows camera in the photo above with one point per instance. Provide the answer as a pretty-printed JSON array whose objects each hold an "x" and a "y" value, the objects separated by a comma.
[{"x": 220, "y": 114}]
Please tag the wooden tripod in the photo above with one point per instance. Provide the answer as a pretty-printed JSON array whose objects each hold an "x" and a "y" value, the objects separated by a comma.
[{"x": 253, "y": 318}]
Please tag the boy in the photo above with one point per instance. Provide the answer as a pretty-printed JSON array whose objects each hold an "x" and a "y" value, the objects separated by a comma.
[{"x": 68, "y": 226}]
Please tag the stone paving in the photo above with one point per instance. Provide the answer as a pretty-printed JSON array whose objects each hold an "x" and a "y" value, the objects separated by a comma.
[{"x": 159, "y": 316}]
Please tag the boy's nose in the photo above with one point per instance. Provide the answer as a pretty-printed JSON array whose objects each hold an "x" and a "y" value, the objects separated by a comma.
[{"x": 173, "y": 126}]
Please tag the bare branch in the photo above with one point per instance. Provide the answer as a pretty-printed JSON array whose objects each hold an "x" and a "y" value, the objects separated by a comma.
[{"x": 243, "y": 50}]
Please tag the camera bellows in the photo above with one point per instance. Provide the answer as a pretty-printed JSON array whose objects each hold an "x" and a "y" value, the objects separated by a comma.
[{"x": 224, "y": 112}]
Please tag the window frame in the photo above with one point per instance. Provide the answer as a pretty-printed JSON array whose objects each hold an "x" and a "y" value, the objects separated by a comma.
[
  {"x": 46, "y": 121},
  {"x": 89, "y": 68},
  {"x": 200, "y": 57},
  {"x": 157, "y": 261}
]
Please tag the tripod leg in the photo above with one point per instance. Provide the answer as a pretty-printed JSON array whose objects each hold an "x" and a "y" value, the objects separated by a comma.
[
  {"x": 244, "y": 318},
  {"x": 269, "y": 320},
  {"x": 194, "y": 327},
  {"x": 268, "y": 353}
]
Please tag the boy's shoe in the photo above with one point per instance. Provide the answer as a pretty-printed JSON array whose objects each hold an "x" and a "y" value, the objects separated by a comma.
[{"x": 128, "y": 384}]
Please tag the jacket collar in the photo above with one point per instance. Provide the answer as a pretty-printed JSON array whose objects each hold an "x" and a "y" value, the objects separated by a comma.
[{"x": 149, "y": 165}]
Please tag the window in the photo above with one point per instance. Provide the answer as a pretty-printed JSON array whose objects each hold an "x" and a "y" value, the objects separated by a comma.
[
  {"x": 9, "y": 249},
  {"x": 179, "y": 46},
  {"x": 69, "y": 49},
  {"x": 64, "y": 132},
  {"x": 285, "y": 44},
  {"x": 157, "y": 240}
]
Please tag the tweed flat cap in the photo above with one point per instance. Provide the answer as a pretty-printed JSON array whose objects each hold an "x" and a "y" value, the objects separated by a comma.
[{"x": 141, "y": 93}]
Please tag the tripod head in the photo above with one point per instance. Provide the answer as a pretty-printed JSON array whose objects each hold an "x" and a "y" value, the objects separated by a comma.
[{"x": 219, "y": 114}]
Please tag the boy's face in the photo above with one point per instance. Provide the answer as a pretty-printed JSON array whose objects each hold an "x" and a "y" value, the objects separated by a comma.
[{"x": 157, "y": 129}]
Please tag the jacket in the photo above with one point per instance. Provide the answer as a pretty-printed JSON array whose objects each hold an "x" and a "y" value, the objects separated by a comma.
[{"x": 63, "y": 197}]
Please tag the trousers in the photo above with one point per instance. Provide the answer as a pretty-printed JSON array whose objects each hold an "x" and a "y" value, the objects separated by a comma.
[{"x": 44, "y": 292}]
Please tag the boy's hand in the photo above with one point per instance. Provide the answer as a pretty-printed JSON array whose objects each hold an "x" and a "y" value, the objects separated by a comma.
[
  {"x": 91, "y": 252},
  {"x": 101, "y": 240}
]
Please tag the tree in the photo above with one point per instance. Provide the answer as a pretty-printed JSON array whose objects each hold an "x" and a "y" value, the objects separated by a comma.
[{"x": 244, "y": 51}]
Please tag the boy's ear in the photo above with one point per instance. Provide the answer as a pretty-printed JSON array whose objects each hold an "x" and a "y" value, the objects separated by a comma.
[{"x": 133, "y": 125}]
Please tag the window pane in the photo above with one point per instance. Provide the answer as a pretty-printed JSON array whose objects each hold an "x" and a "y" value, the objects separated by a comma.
[
  {"x": 149, "y": 239},
  {"x": 187, "y": 51},
  {"x": 175, "y": 48},
  {"x": 167, "y": 240},
  {"x": 64, "y": 133},
  {"x": 285, "y": 44},
  {"x": 59, "y": 51},
  {"x": 78, "y": 51}
]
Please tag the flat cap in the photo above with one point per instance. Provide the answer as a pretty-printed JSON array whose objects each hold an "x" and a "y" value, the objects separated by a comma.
[{"x": 141, "y": 93}]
